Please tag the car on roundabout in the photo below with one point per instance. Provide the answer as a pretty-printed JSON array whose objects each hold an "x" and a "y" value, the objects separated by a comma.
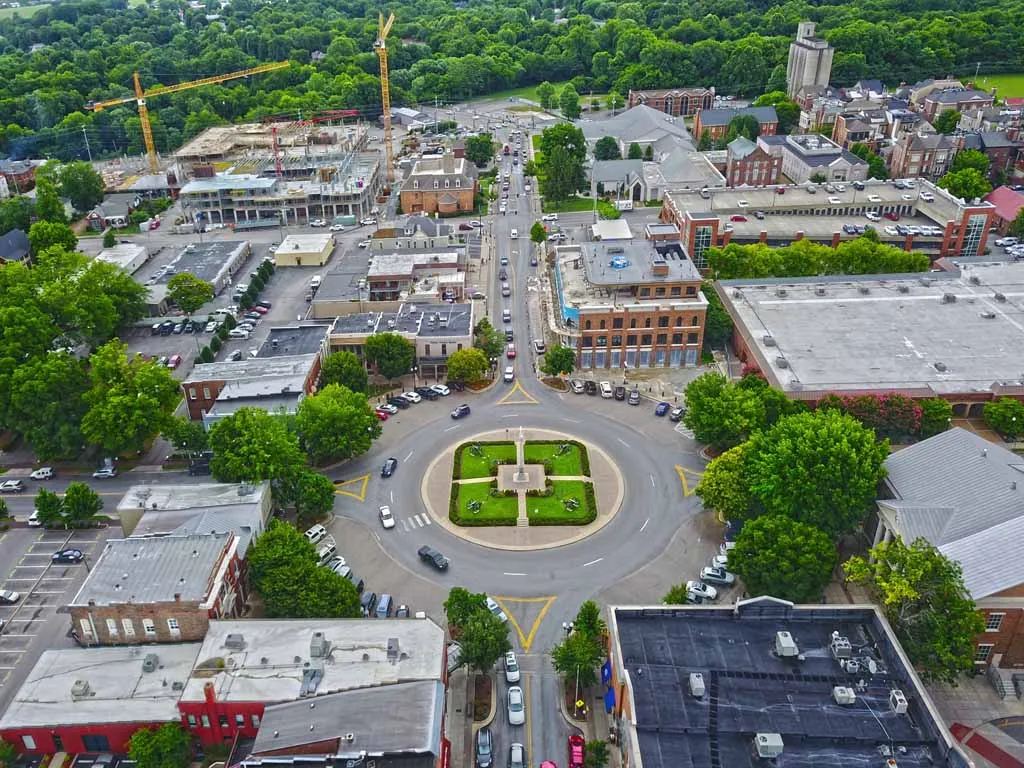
[
  {"x": 460, "y": 411},
  {"x": 387, "y": 520},
  {"x": 389, "y": 467},
  {"x": 433, "y": 557}
]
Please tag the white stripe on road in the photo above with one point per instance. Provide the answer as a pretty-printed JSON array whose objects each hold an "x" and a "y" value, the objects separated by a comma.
[
  {"x": 405, "y": 524},
  {"x": 510, "y": 416},
  {"x": 622, "y": 441},
  {"x": 652, "y": 481},
  {"x": 419, "y": 521},
  {"x": 410, "y": 455},
  {"x": 426, "y": 519},
  {"x": 645, "y": 524},
  {"x": 513, "y": 574},
  {"x": 593, "y": 562},
  {"x": 451, "y": 428}
]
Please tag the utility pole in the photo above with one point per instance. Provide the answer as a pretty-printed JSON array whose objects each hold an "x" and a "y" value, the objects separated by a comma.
[{"x": 88, "y": 151}]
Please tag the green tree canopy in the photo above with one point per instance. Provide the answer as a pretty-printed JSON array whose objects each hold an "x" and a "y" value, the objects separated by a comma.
[
  {"x": 50, "y": 508},
  {"x": 47, "y": 234},
  {"x": 480, "y": 149},
  {"x": 82, "y": 185},
  {"x": 109, "y": 239},
  {"x": 787, "y": 111},
  {"x": 569, "y": 102},
  {"x": 336, "y": 424},
  {"x": 187, "y": 435},
  {"x": 314, "y": 496},
  {"x": 720, "y": 414},
  {"x": 168, "y": 746},
  {"x": 391, "y": 353},
  {"x": 1006, "y": 416},
  {"x": 724, "y": 486},
  {"x": 946, "y": 121},
  {"x": 488, "y": 339},
  {"x": 467, "y": 364},
  {"x": 279, "y": 546},
  {"x": 462, "y": 604},
  {"x": 1017, "y": 225},
  {"x": 48, "y": 204},
  {"x": 636, "y": 152},
  {"x": 923, "y": 596},
  {"x": 860, "y": 256},
  {"x": 778, "y": 556},
  {"x": 558, "y": 360},
  {"x": 970, "y": 158},
  {"x": 545, "y": 94},
  {"x": 46, "y": 404},
  {"x": 967, "y": 184},
  {"x": 82, "y": 505},
  {"x": 607, "y": 148},
  {"x": 252, "y": 445},
  {"x": 538, "y": 233},
  {"x": 345, "y": 369},
  {"x": 189, "y": 292},
  {"x": 578, "y": 657},
  {"x": 484, "y": 640}
]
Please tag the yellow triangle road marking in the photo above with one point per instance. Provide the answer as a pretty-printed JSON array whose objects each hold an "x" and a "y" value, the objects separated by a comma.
[
  {"x": 359, "y": 482},
  {"x": 683, "y": 472},
  {"x": 525, "y": 640},
  {"x": 525, "y": 398}
]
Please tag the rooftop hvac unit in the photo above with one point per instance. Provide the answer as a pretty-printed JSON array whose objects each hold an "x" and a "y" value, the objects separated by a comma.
[
  {"x": 949, "y": 298},
  {"x": 696, "y": 684},
  {"x": 780, "y": 292},
  {"x": 903, "y": 289},
  {"x": 840, "y": 647},
  {"x": 999, "y": 297},
  {"x": 898, "y": 702},
  {"x": 150, "y": 663},
  {"x": 80, "y": 688},
  {"x": 785, "y": 645},
  {"x": 975, "y": 280},
  {"x": 769, "y": 745},
  {"x": 319, "y": 646},
  {"x": 819, "y": 291},
  {"x": 863, "y": 289},
  {"x": 844, "y": 695},
  {"x": 768, "y": 340},
  {"x": 782, "y": 362},
  {"x": 737, "y": 294},
  {"x": 940, "y": 367}
]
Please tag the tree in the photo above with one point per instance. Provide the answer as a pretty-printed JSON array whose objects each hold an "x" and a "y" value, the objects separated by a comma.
[
  {"x": 569, "y": 102},
  {"x": 46, "y": 404},
  {"x": 820, "y": 468},
  {"x": 724, "y": 487},
  {"x": 48, "y": 204},
  {"x": 818, "y": 178},
  {"x": 1017, "y": 225},
  {"x": 614, "y": 101},
  {"x": 936, "y": 416},
  {"x": 336, "y": 424},
  {"x": 636, "y": 152},
  {"x": 720, "y": 414},
  {"x": 923, "y": 596},
  {"x": 480, "y": 149},
  {"x": 169, "y": 746},
  {"x": 391, "y": 353},
  {"x": 967, "y": 184},
  {"x": 778, "y": 556},
  {"x": 717, "y": 323},
  {"x": 946, "y": 121},
  {"x": 309, "y": 592},
  {"x": 488, "y": 339},
  {"x": 279, "y": 546},
  {"x": 577, "y": 658},
  {"x": 538, "y": 233},
  {"x": 649, "y": 152},
  {"x": 559, "y": 360},
  {"x": 1005, "y": 416},
  {"x": 467, "y": 364},
  {"x": 47, "y": 234},
  {"x": 595, "y": 754},
  {"x": 484, "y": 640},
  {"x": 82, "y": 185},
  {"x": 129, "y": 400},
  {"x": 345, "y": 369},
  {"x": 588, "y": 621},
  {"x": 5, "y": 515},
  {"x": 461, "y": 605},
  {"x": 545, "y": 94},
  {"x": 189, "y": 292},
  {"x": 787, "y": 111},
  {"x": 970, "y": 158},
  {"x": 187, "y": 435},
  {"x": 109, "y": 239},
  {"x": 562, "y": 176},
  {"x": 251, "y": 445},
  {"x": 676, "y": 595},
  {"x": 82, "y": 505},
  {"x": 314, "y": 496},
  {"x": 743, "y": 125},
  {"x": 50, "y": 508}
]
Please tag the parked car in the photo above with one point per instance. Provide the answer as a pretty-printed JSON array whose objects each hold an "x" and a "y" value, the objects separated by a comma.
[
  {"x": 476, "y": 224},
  {"x": 1006, "y": 242},
  {"x": 549, "y": 217},
  {"x": 538, "y": 346},
  {"x": 576, "y": 386},
  {"x": 67, "y": 556},
  {"x": 634, "y": 397},
  {"x": 411, "y": 397},
  {"x": 398, "y": 402},
  {"x": 316, "y": 534},
  {"x": 465, "y": 228},
  {"x": 238, "y": 333},
  {"x": 510, "y": 351},
  {"x": 8, "y": 597},
  {"x": 590, "y": 387},
  {"x": 43, "y": 473},
  {"x": 368, "y": 222},
  {"x": 606, "y": 390},
  {"x": 702, "y": 589},
  {"x": 713, "y": 575},
  {"x": 433, "y": 557},
  {"x": 441, "y": 389},
  {"x": 494, "y": 608},
  {"x": 484, "y": 748},
  {"x": 427, "y": 392},
  {"x": 174, "y": 361},
  {"x": 382, "y": 415},
  {"x": 456, "y": 385},
  {"x": 511, "y": 667},
  {"x": 516, "y": 755},
  {"x": 516, "y": 708},
  {"x": 337, "y": 227},
  {"x": 460, "y": 411},
  {"x": 620, "y": 392},
  {"x": 386, "y": 518},
  {"x": 676, "y": 414},
  {"x": 104, "y": 472},
  {"x": 318, "y": 223},
  {"x": 389, "y": 467},
  {"x": 661, "y": 409},
  {"x": 368, "y": 602},
  {"x": 737, "y": 217}
]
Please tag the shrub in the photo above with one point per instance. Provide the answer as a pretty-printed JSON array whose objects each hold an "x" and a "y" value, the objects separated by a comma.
[
  {"x": 222, "y": 332},
  {"x": 257, "y": 283},
  {"x": 1005, "y": 416},
  {"x": 216, "y": 343},
  {"x": 229, "y": 322},
  {"x": 206, "y": 355}
]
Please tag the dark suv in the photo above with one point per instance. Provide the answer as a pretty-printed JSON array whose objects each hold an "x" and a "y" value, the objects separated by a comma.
[
  {"x": 398, "y": 402},
  {"x": 432, "y": 556},
  {"x": 620, "y": 393},
  {"x": 484, "y": 748},
  {"x": 590, "y": 387},
  {"x": 427, "y": 392},
  {"x": 389, "y": 467}
]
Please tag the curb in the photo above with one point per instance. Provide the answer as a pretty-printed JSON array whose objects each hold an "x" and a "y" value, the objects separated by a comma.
[
  {"x": 588, "y": 530},
  {"x": 490, "y": 715},
  {"x": 574, "y": 724}
]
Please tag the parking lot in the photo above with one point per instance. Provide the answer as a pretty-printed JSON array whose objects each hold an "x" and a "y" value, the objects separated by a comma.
[{"x": 33, "y": 624}]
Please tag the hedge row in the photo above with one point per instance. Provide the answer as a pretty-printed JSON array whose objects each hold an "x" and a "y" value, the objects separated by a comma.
[
  {"x": 457, "y": 467},
  {"x": 549, "y": 488},
  {"x": 591, "y": 512},
  {"x": 471, "y": 521},
  {"x": 584, "y": 454}
]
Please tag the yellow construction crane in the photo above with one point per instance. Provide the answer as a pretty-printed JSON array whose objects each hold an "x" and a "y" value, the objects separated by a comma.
[
  {"x": 383, "y": 28},
  {"x": 159, "y": 90}
]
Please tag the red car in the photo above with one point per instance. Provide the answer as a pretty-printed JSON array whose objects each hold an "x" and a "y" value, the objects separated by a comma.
[
  {"x": 737, "y": 217},
  {"x": 382, "y": 415},
  {"x": 465, "y": 228},
  {"x": 510, "y": 351},
  {"x": 260, "y": 310},
  {"x": 576, "y": 743},
  {"x": 892, "y": 216}
]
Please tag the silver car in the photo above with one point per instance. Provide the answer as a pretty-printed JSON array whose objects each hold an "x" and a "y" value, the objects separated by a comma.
[
  {"x": 516, "y": 756},
  {"x": 516, "y": 709}
]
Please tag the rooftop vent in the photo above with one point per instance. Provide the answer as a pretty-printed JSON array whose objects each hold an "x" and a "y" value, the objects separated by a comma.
[
  {"x": 177, "y": 685},
  {"x": 844, "y": 695},
  {"x": 780, "y": 291},
  {"x": 769, "y": 745},
  {"x": 949, "y": 298},
  {"x": 737, "y": 294},
  {"x": 150, "y": 663},
  {"x": 782, "y": 362},
  {"x": 840, "y": 647},
  {"x": 999, "y": 297},
  {"x": 904, "y": 289},
  {"x": 940, "y": 367},
  {"x": 863, "y": 289},
  {"x": 820, "y": 290},
  {"x": 392, "y": 648},
  {"x": 319, "y": 646},
  {"x": 988, "y": 315},
  {"x": 350, "y": 737},
  {"x": 975, "y": 280},
  {"x": 235, "y": 641},
  {"x": 898, "y": 702},
  {"x": 696, "y": 684},
  {"x": 80, "y": 689},
  {"x": 785, "y": 645},
  {"x": 768, "y": 340}
]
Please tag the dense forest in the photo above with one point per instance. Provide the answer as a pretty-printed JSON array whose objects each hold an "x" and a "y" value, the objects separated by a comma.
[{"x": 91, "y": 47}]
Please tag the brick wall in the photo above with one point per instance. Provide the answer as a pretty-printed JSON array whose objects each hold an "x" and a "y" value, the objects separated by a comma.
[
  {"x": 192, "y": 621},
  {"x": 1008, "y": 639}
]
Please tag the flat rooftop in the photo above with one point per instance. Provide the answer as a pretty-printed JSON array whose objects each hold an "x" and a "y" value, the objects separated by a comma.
[
  {"x": 153, "y": 570},
  {"x": 118, "y": 689},
  {"x": 228, "y": 181},
  {"x": 935, "y": 333},
  {"x": 783, "y": 228},
  {"x": 251, "y": 368},
  {"x": 123, "y": 255},
  {"x": 271, "y": 392},
  {"x": 342, "y": 282},
  {"x": 200, "y": 496},
  {"x": 314, "y": 243},
  {"x": 425, "y": 320},
  {"x": 405, "y": 263},
  {"x": 751, "y": 689},
  {"x": 204, "y": 260},
  {"x": 401, "y": 718},
  {"x": 294, "y": 340},
  {"x": 633, "y": 262},
  {"x": 274, "y": 661}
]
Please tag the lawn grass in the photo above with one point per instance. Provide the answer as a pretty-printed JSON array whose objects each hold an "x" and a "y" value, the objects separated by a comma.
[
  {"x": 571, "y": 205},
  {"x": 1007, "y": 86},
  {"x": 568, "y": 464},
  {"x": 550, "y": 510},
  {"x": 494, "y": 510},
  {"x": 528, "y": 92},
  {"x": 480, "y": 466},
  {"x": 26, "y": 11}
]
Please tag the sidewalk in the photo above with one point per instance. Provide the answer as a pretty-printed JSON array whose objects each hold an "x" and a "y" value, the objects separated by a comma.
[{"x": 459, "y": 721}]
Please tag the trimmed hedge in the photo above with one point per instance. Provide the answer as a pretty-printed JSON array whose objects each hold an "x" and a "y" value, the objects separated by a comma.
[
  {"x": 215, "y": 343},
  {"x": 457, "y": 466},
  {"x": 206, "y": 355},
  {"x": 472, "y": 521},
  {"x": 589, "y": 514},
  {"x": 584, "y": 454}
]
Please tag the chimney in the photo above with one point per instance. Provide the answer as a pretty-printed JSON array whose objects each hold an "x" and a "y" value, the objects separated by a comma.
[
  {"x": 448, "y": 163},
  {"x": 209, "y": 693},
  {"x": 177, "y": 597}
]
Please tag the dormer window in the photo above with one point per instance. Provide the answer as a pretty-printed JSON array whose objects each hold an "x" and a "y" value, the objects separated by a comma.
[
  {"x": 447, "y": 184},
  {"x": 458, "y": 183},
  {"x": 415, "y": 184},
  {"x": 436, "y": 184}
]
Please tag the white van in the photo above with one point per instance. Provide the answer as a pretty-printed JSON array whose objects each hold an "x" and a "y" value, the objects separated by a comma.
[
  {"x": 327, "y": 550},
  {"x": 316, "y": 534},
  {"x": 315, "y": 282},
  {"x": 510, "y": 373},
  {"x": 514, "y": 234}
]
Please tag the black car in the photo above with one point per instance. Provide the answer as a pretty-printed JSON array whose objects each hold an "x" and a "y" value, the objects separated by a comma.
[
  {"x": 427, "y": 393},
  {"x": 484, "y": 748},
  {"x": 858, "y": 185},
  {"x": 456, "y": 386},
  {"x": 264, "y": 304},
  {"x": 620, "y": 393},
  {"x": 67, "y": 556},
  {"x": 368, "y": 601},
  {"x": 399, "y": 402},
  {"x": 590, "y": 387},
  {"x": 508, "y": 334},
  {"x": 166, "y": 328},
  {"x": 432, "y": 556},
  {"x": 389, "y": 467},
  {"x": 503, "y": 274},
  {"x": 402, "y": 612},
  {"x": 460, "y": 411}
]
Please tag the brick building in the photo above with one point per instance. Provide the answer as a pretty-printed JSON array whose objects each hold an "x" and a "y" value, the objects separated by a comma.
[
  {"x": 715, "y": 122},
  {"x": 964, "y": 495},
  {"x": 1008, "y": 205},
  {"x": 922, "y": 155},
  {"x": 678, "y": 102},
  {"x": 162, "y": 589},
  {"x": 748, "y": 164},
  {"x": 960, "y": 99},
  {"x": 1002, "y": 151},
  {"x": 630, "y": 304},
  {"x": 446, "y": 185}
]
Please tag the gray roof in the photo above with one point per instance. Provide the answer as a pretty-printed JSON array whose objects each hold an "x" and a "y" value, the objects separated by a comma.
[
  {"x": 684, "y": 168},
  {"x": 208, "y": 261},
  {"x": 997, "y": 139},
  {"x": 229, "y": 181},
  {"x": 616, "y": 171},
  {"x": 253, "y": 367},
  {"x": 424, "y": 320},
  {"x": 763, "y": 115},
  {"x": 957, "y": 95},
  {"x": 965, "y": 495},
  {"x": 153, "y": 570},
  {"x": 631, "y": 263},
  {"x": 641, "y": 124},
  {"x": 427, "y": 225},
  {"x": 741, "y": 146},
  {"x": 401, "y": 718},
  {"x": 14, "y": 245},
  {"x": 290, "y": 340}
]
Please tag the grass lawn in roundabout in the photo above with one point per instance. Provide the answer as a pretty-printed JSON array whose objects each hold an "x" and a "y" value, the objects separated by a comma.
[
  {"x": 493, "y": 510},
  {"x": 552, "y": 510},
  {"x": 471, "y": 463}
]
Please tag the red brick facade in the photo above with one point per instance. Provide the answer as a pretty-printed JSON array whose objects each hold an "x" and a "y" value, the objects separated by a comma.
[
  {"x": 679, "y": 102},
  {"x": 756, "y": 169}
]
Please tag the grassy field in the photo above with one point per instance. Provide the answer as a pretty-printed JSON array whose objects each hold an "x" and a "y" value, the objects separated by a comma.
[
  {"x": 1007, "y": 86},
  {"x": 526, "y": 92},
  {"x": 480, "y": 466},
  {"x": 550, "y": 510},
  {"x": 26, "y": 11},
  {"x": 568, "y": 464},
  {"x": 498, "y": 510}
]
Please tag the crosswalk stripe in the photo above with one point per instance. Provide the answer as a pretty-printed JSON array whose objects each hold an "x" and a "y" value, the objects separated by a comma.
[
  {"x": 405, "y": 524},
  {"x": 419, "y": 522},
  {"x": 426, "y": 518}
]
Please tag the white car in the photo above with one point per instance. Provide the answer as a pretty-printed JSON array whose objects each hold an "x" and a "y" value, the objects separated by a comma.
[
  {"x": 43, "y": 473},
  {"x": 272, "y": 249},
  {"x": 364, "y": 244},
  {"x": 7, "y": 597},
  {"x": 891, "y": 231},
  {"x": 720, "y": 561},
  {"x": 368, "y": 222},
  {"x": 441, "y": 389},
  {"x": 388, "y": 408},
  {"x": 238, "y": 333},
  {"x": 476, "y": 223},
  {"x": 337, "y": 227},
  {"x": 1006, "y": 242},
  {"x": 316, "y": 534},
  {"x": 516, "y": 709},
  {"x": 549, "y": 217},
  {"x": 494, "y": 608},
  {"x": 872, "y": 216},
  {"x": 703, "y": 590},
  {"x": 386, "y": 518},
  {"x": 412, "y": 397},
  {"x": 318, "y": 223},
  {"x": 511, "y": 667},
  {"x": 211, "y": 326},
  {"x": 104, "y": 472}
]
